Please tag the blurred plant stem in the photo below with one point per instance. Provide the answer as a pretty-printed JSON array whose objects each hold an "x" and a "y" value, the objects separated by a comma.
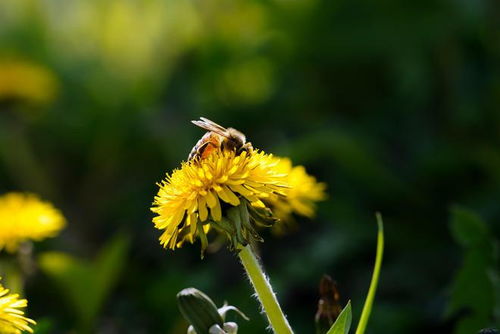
[
  {"x": 20, "y": 158},
  {"x": 264, "y": 291},
  {"x": 16, "y": 267},
  {"x": 12, "y": 276}
]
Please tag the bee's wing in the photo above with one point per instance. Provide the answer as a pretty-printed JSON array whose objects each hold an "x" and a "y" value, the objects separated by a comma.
[
  {"x": 207, "y": 124},
  {"x": 212, "y": 123}
]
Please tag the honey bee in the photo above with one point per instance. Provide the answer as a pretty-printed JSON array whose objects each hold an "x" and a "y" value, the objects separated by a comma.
[{"x": 216, "y": 138}]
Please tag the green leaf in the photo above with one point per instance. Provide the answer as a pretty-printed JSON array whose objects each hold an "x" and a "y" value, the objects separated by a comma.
[
  {"x": 474, "y": 287},
  {"x": 86, "y": 284},
  {"x": 44, "y": 326},
  {"x": 343, "y": 322},
  {"x": 467, "y": 228}
]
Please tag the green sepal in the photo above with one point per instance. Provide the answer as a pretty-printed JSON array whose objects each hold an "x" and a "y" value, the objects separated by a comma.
[
  {"x": 233, "y": 214},
  {"x": 203, "y": 238},
  {"x": 262, "y": 216},
  {"x": 226, "y": 308}
]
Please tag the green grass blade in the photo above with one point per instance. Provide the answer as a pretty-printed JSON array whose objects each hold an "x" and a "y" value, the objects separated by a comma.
[{"x": 367, "y": 308}]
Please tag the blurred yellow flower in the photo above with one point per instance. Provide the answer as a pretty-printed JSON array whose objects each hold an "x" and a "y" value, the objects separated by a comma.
[
  {"x": 301, "y": 196},
  {"x": 127, "y": 39},
  {"x": 188, "y": 202},
  {"x": 12, "y": 319},
  {"x": 27, "y": 82},
  {"x": 26, "y": 217}
]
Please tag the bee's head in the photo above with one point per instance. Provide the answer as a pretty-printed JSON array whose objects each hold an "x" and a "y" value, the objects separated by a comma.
[{"x": 234, "y": 140}]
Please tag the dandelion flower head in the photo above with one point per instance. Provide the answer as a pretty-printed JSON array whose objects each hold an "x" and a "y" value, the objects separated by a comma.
[
  {"x": 225, "y": 191},
  {"x": 25, "y": 217},
  {"x": 12, "y": 319},
  {"x": 303, "y": 193}
]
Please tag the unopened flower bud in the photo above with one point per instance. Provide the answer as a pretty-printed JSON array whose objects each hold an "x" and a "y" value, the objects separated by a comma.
[
  {"x": 488, "y": 331},
  {"x": 230, "y": 327},
  {"x": 215, "y": 329},
  {"x": 199, "y": 310}
]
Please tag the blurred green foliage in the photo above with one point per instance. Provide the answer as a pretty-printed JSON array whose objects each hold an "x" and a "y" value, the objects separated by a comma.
[
  {"x": 395, "y": 105},
  {"x": 476, "y": 287},
  {"x": 86, "y": 285}
]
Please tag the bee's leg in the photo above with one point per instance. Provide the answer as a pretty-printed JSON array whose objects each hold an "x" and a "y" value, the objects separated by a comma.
[
  {"x": 207, "y": 149},
  {"x": 247, "y": 147},
  {"x": 197, "y": 151},
  {"x": 223, "y": 145},
  {"x": 230, "y": 145}
]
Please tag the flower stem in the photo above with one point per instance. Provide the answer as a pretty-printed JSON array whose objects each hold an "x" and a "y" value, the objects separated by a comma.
[{"x": 264, "y": 291}]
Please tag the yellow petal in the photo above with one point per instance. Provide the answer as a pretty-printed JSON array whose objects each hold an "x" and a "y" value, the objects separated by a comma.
[
  {"x": 216, "y": 211},
  {"x": 258, "y": 204},
  {"x": 231, "y": 197},
  {"x": 206, "y": 228},
  {"x": 202, "y": 209},
  {"x": 192, "y": 226},
  {"x": 192, "y": 206},
  {"x": 211, "y": 199},
  {"x": 241, "y": 189}
]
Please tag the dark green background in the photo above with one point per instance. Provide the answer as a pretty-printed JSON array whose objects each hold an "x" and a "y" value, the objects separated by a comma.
[{"x": 393, "y": 104}]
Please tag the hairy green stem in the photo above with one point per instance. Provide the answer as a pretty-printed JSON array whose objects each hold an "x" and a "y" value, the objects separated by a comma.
[
  {"x": 264, "y": 291},
  {"x": 367, "y": 308}
]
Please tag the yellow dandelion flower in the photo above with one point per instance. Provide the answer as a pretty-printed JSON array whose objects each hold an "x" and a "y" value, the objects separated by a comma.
[
  {"x": 26, "y": 217},
  {"x": 301, "y": 196},
  {"x": 224, "y": 191},
  {"x": 25, "y": 81},
  {"x": 12, "y": 319}
]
